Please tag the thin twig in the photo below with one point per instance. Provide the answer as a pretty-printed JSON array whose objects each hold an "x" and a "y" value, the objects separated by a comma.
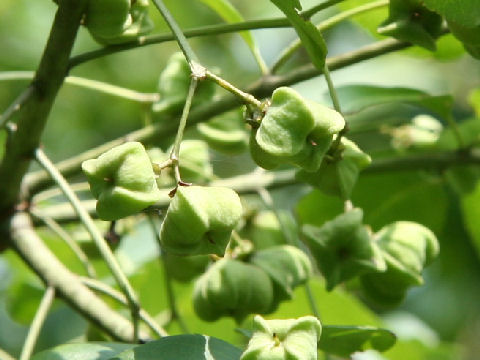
[
  {"x": 175, "y": 315},
  {"x": 96, "y": 236},
  {"x": 118, "y": 296},
  {"x": 37, "y": 323},
  {"x": 72, "y": 244}
]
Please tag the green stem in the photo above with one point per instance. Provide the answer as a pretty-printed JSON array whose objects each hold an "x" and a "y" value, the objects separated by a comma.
[
  {"x": 87, "y": 84},
  {"x": 37, "y": 323},
  {"x": 102, "y": 246},
  {"x": 324, "y": 25},
  {"x": 200, "y": 31},
  {"x": 46, "y": 265},
  {"x": 246, "y": 97},
  {"x": 119, "y": 297},
  {"x": 264, "y": 87},
  {"x": 456, "y": 131},
  {"x": 331, "y": 89},
  {"x": 268, "y": 201},
  {"x": 325, "y": 5},
  {"x": 77, "y": 250},
  {"x": 172, "y": 303},
  {"x": 32, "y": 116},
  {"x": 175, "y": 155},
  {"x": 177, "y": 32}
]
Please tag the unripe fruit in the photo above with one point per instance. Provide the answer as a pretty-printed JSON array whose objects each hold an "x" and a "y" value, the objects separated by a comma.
[
  {"x": 338, "y": 176},
  {"x": 174, "y": 84},
  {"x": 122, "y": 180},
  {"x": 410, "y": 21},
  {"x": 117, "y": 21},
  {"x": 287, "y": 267},
  {"x": 200, "y": 220},
  {"x": 290, "y": 339},
  {"x": 232, "y": 288},
  {"x": 407, "y": 248},
  {"x": 294, "y": 130},
  {"x": 343, "y": 248},
  {"x": 185, "y": 268}
]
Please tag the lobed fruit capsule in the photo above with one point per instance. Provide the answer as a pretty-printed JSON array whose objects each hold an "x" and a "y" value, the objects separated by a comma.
[
  {"x": 294, "y": 130},
  {"x": 232, "y": 288},
  {"x": 343, "y": 248},
  {"x": 174, "y": 84},
  {"x": 338, "y": 176},
  {"x": 290, "y": 339},
  {"x": 122, "y": 180},
  {"x": 407, "y": 248},
  {"x": 410, "y": 21},
  {"x": 200, "y": 220}
]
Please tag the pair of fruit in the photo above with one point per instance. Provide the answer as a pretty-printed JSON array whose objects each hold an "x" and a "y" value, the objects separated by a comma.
[
  {"x": 388, "y": 262},
  {"x": 234, "y": 288},
  {"x": 117, "y": 21}
]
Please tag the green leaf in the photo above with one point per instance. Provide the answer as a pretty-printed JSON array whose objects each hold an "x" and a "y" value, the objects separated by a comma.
[
  {"x": 345, "y": 340},
  {"x": 471, "y": 213},
  {"x": 311, "y": 38},
  {"x": 87, "y": 351},
  {"x": 464, "y": 12},
  {"x": 474, "y": 100},
  {"x": 355, "y": 98},
  {"x": 231, "y": 15},
  {"x": 179, "y": 347}
]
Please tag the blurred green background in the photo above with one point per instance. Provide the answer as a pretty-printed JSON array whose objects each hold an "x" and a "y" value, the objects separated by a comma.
[{"x": 440, "y": 320}]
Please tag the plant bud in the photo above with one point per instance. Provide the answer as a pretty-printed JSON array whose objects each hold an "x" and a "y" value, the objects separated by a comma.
[
  {"x": 122, "y": 180},
  {"x": 343, "y": 248},
  {"x": 291, "y": 339},
  {"x": 200, "y": 220},
  {"x": 232, "y": 288}
]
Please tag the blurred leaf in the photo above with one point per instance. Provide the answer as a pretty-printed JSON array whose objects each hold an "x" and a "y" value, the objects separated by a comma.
[
  {"x": 230, "y": 14},
  {"x": 316, "y": 208},
  {"x": 464, "y": 178},
  {"x": 416, "y": 350},
  {"x": 469, "y": 132},
  {"x": 358, "y": 97},
  {"x": 345, "y": 340},
  {"x": 402, "y": 195},
  {"x": 188, "y": 347},
  {"x": 88, "y": 351},
  {"x": 369, "y": 20},
  {"x": 464, "y": 12},
  {"x": 471, "y": 214},
  {"x": 311, "y": 38},
  {"x": 474, "y": 100}
]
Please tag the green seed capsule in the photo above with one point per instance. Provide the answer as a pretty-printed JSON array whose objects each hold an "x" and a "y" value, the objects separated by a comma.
[
  {"x": 407, "y": 248},
  {"x": 200, "y": 220},
  {"x": 265, "y": 231},
  {"x": 294, "y": 130},
  {"x": 232, "y": 288},
  {"x": 410, "y": 21},
  {"x": 287, "y": 266},
  {"x": 290, "y": 339},
  {"x": 174, "y": 84},
  {"x": 117, "y": 21},
  {"x": 338, "y": 176},
  {"x": 185, "y": 268},
  {"x": 122, "y": 180},
  {"x": 343, "y": 248}
]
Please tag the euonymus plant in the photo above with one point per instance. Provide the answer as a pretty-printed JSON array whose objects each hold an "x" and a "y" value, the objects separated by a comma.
[{"x": 246, "y": 217}]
